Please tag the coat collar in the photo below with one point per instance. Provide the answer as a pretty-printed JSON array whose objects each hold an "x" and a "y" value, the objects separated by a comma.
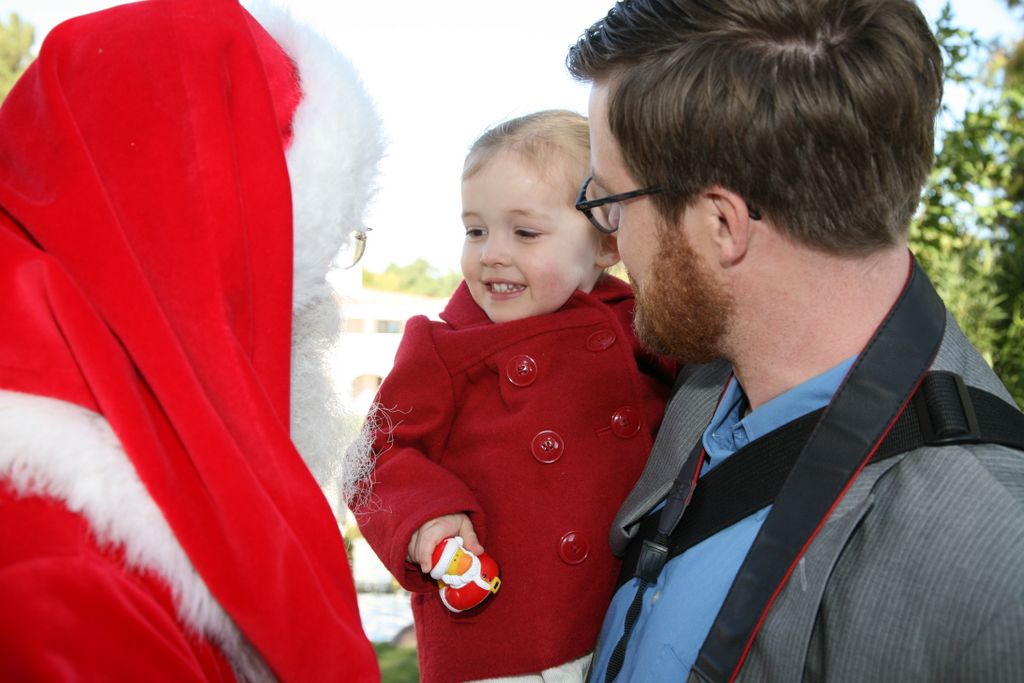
[{"x": 462, "y": 312}]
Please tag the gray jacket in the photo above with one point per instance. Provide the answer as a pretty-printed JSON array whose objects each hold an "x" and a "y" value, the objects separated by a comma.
[{"x": 918, "y": 574}]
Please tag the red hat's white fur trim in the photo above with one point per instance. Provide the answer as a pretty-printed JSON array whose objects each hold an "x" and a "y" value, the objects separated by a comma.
[{"x": 333, "y": 156}]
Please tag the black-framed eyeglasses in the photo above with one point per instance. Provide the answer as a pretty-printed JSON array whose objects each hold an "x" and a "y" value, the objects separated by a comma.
[{"x": 606, "y": 216}]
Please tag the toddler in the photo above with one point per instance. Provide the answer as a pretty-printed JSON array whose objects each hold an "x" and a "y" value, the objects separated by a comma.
[{"x": 521, "y": 421}]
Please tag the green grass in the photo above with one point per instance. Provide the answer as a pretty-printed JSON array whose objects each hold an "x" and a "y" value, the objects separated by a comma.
[{"x": 397, "y": 664}]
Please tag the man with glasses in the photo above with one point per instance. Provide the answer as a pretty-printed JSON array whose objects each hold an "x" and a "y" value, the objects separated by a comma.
[{"x": 808, "y": 513}]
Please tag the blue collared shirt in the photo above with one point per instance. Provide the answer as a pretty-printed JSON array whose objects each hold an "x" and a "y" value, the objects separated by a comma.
[{"x": 680, "y": 607}]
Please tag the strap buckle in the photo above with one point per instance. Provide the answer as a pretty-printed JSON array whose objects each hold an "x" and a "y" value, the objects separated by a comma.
[
  {"x": 653, "y": 556},
  {"x": 945, "y": 411}
]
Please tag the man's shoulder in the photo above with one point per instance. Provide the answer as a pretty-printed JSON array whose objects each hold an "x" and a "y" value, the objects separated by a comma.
[
  {"x": 980, "y": 467},
  {"x": 976, "y": 476},
  {"x": 920, "y": 580},
  {"x": 958, "y": 509},
  {"x": 957, "y": 354}
]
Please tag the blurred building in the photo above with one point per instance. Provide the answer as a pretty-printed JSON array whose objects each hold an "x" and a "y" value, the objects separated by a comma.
[{"x": 373, "y": 323}]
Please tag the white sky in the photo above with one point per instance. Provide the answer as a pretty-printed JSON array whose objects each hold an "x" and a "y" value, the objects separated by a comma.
[{"x": 440, "y": 73}]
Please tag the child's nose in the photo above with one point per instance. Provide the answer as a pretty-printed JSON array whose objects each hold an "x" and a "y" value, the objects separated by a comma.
[{"x": 494, "y": 252}]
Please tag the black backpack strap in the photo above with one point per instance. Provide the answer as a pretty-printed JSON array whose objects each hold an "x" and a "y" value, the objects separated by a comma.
[
  {"x": 653, "y": 551},
  {"x": 947, "y": 412},
  {"x": 944, "y": 411}
]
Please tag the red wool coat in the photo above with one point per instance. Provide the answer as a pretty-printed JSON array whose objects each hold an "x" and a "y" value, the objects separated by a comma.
[{"x": 537, "y": 428}]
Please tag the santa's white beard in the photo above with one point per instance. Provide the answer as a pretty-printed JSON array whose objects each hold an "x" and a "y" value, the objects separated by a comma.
[{"x": 326, "y": 433}]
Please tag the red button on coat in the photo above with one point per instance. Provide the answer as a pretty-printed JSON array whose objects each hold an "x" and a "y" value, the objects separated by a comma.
[
  {"x": 521, "y": 371},
  {"x": 547, "y": 446},
  {"x": 601, "y": 340},
  {"x": 626, "y": 422},
  {"x": 573, "y": 548}
]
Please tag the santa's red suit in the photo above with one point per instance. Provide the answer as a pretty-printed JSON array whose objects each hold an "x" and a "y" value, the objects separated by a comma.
[{"x": 156, "y": 520}]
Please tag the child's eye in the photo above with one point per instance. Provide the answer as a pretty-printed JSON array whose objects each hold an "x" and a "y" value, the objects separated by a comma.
[
  {"x": 473, "y": 233},
  {"x": 527, "y": 233}
]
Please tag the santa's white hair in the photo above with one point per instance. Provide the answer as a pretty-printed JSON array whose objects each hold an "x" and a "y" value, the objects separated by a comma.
[{"x": 336, "y": 114}]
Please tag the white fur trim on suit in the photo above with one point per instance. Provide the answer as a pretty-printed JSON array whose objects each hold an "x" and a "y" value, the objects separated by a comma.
[
  {"x": 58, "y": 450},
  {"x": 333, "y": 157}
]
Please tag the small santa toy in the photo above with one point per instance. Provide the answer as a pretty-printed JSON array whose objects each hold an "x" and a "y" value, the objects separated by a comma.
[{"x": 464, "y": 579}]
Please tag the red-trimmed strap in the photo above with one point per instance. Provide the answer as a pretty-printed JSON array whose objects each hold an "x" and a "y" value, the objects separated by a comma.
[{"x": 873, "y": 395}]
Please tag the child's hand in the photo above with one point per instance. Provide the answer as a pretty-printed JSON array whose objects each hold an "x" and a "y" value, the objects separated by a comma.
[{"x": 426, "y": 538}]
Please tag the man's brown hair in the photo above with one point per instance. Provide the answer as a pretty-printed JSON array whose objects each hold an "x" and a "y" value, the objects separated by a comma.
[{"x": 820, "y": 113}]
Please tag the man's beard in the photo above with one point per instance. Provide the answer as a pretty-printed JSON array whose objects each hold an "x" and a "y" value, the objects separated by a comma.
[
  {"x": 326, "y": 433},
  {"x": 681, "y": 312}
]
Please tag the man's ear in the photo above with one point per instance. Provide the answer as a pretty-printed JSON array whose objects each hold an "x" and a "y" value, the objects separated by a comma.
[
  {"x": 731, "y": 235},
  {"x": 607, "y": 251}
]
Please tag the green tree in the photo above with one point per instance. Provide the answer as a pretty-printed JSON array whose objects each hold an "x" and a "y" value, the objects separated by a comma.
[
  {"x": 418, "y": 277},
  {"x": 969, "y": 235},
  {"x": 1011, "y": 363},
  {"x": 16, "y": 38}
]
